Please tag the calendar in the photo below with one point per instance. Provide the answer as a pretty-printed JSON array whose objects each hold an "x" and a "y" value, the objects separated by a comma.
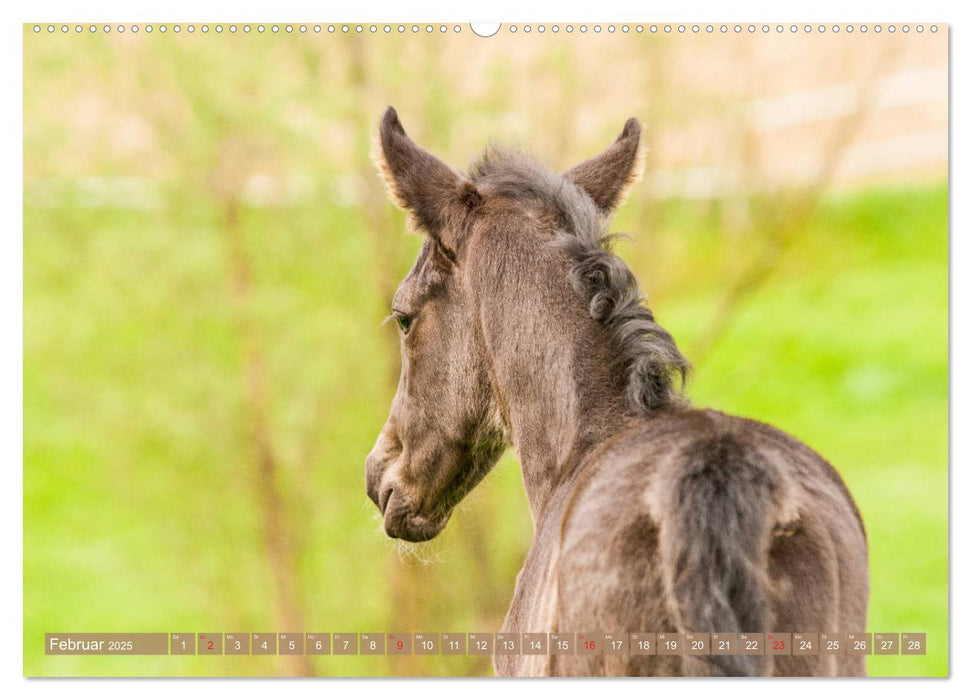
[{"x": 480, "y": 643}]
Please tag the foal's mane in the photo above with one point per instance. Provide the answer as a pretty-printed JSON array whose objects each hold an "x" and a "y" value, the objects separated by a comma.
[{"x": 646, "y": 351}]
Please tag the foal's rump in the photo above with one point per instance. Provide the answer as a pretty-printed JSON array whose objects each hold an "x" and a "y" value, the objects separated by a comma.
[{"x": 702, "y": 522}]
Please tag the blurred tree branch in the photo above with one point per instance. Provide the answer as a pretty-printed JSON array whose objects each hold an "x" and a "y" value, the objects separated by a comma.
[{"x": 278, "y": 533}]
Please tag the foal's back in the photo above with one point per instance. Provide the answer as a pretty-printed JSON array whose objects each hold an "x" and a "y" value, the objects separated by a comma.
[{"x": 696, "y": 521}]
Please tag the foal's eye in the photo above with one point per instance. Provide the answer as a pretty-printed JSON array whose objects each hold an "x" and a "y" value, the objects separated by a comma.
[{"x": 404, "y": 322}]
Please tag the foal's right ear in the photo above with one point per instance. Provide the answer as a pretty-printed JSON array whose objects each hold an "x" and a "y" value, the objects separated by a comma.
[
  {"x": 420, "y": 182},
  {"x": 607, "y": 177}
]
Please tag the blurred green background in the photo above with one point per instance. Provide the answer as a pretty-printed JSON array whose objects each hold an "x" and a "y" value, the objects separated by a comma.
[{"x": 208, "y": 254}]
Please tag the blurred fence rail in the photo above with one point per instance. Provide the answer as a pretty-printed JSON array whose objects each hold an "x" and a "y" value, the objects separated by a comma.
[{"x": 710, "y": 104}]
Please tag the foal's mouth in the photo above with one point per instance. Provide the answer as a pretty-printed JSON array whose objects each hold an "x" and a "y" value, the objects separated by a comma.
[{"x": 400, "y": 522}]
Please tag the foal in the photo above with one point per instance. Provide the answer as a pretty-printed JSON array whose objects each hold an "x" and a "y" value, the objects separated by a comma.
[{"x": 519, "y": 327}]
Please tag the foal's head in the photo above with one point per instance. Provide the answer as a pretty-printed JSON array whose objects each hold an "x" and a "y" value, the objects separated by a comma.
[{"x": 448, "y": 425}]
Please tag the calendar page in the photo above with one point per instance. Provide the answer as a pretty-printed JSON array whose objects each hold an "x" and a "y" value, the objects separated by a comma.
[{"x": 518, "y": 349}]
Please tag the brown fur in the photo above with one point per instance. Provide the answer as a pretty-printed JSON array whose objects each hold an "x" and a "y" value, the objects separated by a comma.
[{"x": 650, "y": 516}]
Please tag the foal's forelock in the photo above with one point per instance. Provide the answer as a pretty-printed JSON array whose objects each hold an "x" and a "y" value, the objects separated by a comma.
[{"x": 656, "y": 369}]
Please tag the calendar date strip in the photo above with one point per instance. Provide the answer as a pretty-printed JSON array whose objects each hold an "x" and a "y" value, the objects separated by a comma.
[{"x": 486, "y": 643}]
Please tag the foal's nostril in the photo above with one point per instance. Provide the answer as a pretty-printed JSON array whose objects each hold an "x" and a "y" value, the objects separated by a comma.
[{"x": 384, "y": 498}]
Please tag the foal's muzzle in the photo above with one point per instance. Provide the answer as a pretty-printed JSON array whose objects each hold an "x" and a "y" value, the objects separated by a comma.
[
  {"x": 401, "y": 523},
  {"x": 400, "y": 520}
]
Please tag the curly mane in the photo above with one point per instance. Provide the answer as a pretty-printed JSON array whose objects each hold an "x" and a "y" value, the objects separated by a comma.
[{"x": 656, "y": 369}]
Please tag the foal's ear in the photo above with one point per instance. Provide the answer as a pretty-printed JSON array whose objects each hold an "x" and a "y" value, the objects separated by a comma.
[
  {"x": 420, "y": 182},
  {"x": 607, "y": 176}
]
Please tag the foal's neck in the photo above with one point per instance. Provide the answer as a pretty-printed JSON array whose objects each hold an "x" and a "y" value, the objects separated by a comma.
[{"x": 559, "y": 391}]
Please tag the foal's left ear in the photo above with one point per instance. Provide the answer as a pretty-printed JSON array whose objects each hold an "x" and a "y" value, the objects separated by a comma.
[
  {"x": 607, "y": 176},
  {"x": 422, "y": 184}
]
